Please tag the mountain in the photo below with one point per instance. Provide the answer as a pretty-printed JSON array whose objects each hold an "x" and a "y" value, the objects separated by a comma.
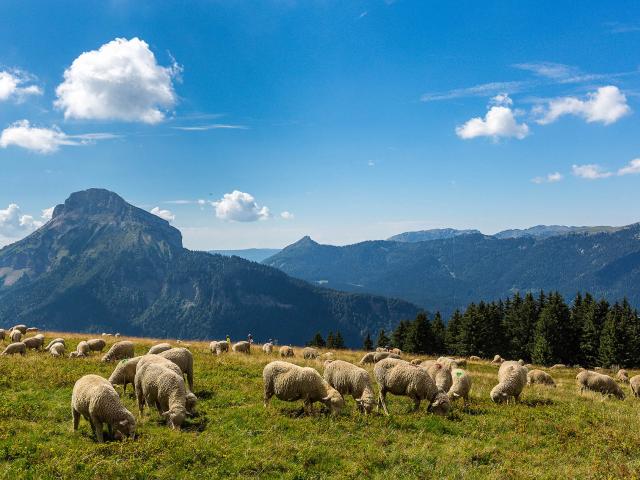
[
  {"x": 101, "y": 264},
  {"x": 546, "y": 231},
  {"x": 433, "y": 234},
  {"x": 252, "y": 254},
  {"x": 450, "y": 273}
]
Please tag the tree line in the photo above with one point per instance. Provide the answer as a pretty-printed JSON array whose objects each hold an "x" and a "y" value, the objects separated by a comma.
[{"x": 542, "y": 329}]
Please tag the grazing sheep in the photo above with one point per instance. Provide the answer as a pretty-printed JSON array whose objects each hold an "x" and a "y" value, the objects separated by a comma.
[
  {"x": 21, "y": 328},
  {"x": 15, "y": 335},
  {"x": 164, "y": 388},
  {"x": 635, "y": 385},
  {"x": 512, "y": 378},
  {"x": 382, "y": 355},
  {"x": 539, "y": 377},
  {"x": 448, "y": 362},
  {"x": 427, "y": 364},
  {"x": 622, "y": 376},
  {"x": 328, "y": 356},
  {"x": 397, "y": 351},
  {"x": 57, "y": 349},
  {"x": 497, "y": 360},
  {"x": 474, "y": 358},
  {"x": 461, "y": 386},
  {"x": 117, "y": 335},
  {"x": 401, "y": 378},
  {"x": 82, "y": 350},
  {"x": 55, "y": 340},
  {"x": 242, "y": 347},
  {"x": 557, "y": 366},
  {"x": 34, "y": 343},
  {"x": 286, "y": 351},
  {"x": 289, "y": 382},
  {"x": 159, "y": 348},
  {"x": 96, "y": 400},
  {"x": 309, "y": 353},
  {"x": 441, "y": 375},
  {"x": 368, "y": 358},
  {"x": 267, "y": 348},
  {"x": 3, "y": 333},
  {"x": 118, "y": 351},
  {"x": 348, "y": 379},
  {"x": 381, "y": 349},
  {"x": 598, "y": 382},
  {"x": 16, "y": 347},
  {"x": 96, "y": 344},
  {"x": 107, "y": 334},
  {"x": 183, "y": 358},
  {"x": 124, "y": 373},
  {"x": 222, "y": 347},
  {"x": 143, "y": 362}
]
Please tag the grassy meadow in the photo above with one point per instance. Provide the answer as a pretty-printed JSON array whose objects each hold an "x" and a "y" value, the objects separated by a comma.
[{"x": 552, "y": 433}]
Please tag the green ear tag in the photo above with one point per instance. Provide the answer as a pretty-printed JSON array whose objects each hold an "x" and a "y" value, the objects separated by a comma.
[{"x": 458, "y": 374}]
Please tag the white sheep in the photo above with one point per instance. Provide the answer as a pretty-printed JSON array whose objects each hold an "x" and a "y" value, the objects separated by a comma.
[
  {"x": 497, "y": 360},
  {"x": 55, "y": 340},
  {"x": 461, "y": 387},
  {"x": 310, "y": 353},
  {"x": 349, "y": 379},
  {"x": 377, "y": 356},
  {"x": 540, "y": 377},
  {"x": 267, "y": 348},
  {"x": 96, "y": 344},
  {"x": 398, "y": 377},
  {"x": 448, "y": 362},
  {"x": 96, "y": 400},
  {"x": 635, "y": 385},
  {"x": 82, "y": 350},
  {"x": 397, "y": 351},
  {"x": 475, "y": 358},
  {"x": 289, "y": 382},
  {"x": 34, "y": 343},
  {"x": 15, "y": 347},
  {"x": 441, "y": 375},
  {"x": 57, "y": 349},
  {"x": 242, "y": 347},
  {"x": 15, "y": 335},
  {"x": 124, "y": 373},
  {"x": 119, "y": 350},
  {"x": 598, "y": 382},
  {"x": 368, "y": 358},
  {"x": 512, "y": 378},
  {"x": 159, "y": 348},
  {"x": 164, "y": 388},
  {"x": 32, "y": 330},
  {"x": 21, "y": 328},
  {"x": 622, "y": 376},
  {"x": 3, "y": 334},
  {"x": 183, "y": 358},
  {"x": 286, "y": 351}
]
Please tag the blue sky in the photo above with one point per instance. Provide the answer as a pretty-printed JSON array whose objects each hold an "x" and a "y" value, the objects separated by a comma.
[{"x": 253, "y": 123}]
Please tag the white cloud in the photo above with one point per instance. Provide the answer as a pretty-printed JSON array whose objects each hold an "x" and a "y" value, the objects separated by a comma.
[
  {"x": 214, "y": 126},
  {"x": 17, "y": 85},
  {"x": 482, "y": 90},
  {"x": 44, "y": 140},
  {"x": 549, "y": 178},
  {"x": 632, "y": 168},
  {"x": 164, "y": 214},
  {"x": 13, "y": 223},
  {"x": 287, "y": 215},
  {"x": 606, "y": 105},
  {"x": 548, "y": 69},
  {"x": 590, "y": 171},
  {"x": 499, "y": 122},
  {"x": 240, "y": 207},
  {"x": 119, "y": 81},
  {"x": 47, "y": 213}
]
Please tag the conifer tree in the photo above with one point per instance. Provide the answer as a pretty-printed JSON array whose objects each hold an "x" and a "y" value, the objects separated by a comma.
[
  {"x": 383, "y": 340},
  {"x": 420, "y": 336},
  {"x": 611, "y": 338},
  {"x": 452, "y": 334},
  {"x": 399, "y": 335},
  {"x": 317, "y": 341},
  {"x": 330, "y": 340},
  {"x": 439, "y": 333},
  {"x": 368, "y": 343},
  {"x": 338, "y": 341}
]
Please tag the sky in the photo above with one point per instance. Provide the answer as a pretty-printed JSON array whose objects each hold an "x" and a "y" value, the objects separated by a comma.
[{"x": 254, "y": 123}]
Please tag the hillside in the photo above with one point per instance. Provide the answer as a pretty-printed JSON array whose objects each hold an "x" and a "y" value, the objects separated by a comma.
[
  {"x": 252, "y": 254},
  {"x": 433, "y": 234},
  {"x": 102, "y": 264},
  {"x": 450, "y": 273}
]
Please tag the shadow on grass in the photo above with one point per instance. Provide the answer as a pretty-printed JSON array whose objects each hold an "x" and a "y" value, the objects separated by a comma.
[
  {"x": 204, "y": 394},
  {"x": 197, "y": 424},
  {"x": 537, "y": 402}
]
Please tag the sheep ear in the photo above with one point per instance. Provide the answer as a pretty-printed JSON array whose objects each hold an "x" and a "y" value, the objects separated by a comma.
[{"x": 326, "y": 399}]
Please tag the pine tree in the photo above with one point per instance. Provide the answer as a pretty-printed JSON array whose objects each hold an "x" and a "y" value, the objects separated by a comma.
[
  {"x": 368, "y": 343},
  {"x": 452, "y": 335},
  {"x": 338, "y": 341},
  {"x": 470, "y": 327},
  {"x": 317, "y": 341},
  {"x": 383, "y": 340},
  {"x": 399, "y": 335},
  {"x": 439, "y": 333},
  {"x": 551, "y": 335},
  {"x": 420, "y": 336},
  {"x": 330, "y": 340},
  {"x": 590, "y": 338},
  {"x": 611, "y": 338}
]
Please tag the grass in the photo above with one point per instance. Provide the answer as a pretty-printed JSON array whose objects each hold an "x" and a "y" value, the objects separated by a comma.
[{"x": 552, "y": 433}]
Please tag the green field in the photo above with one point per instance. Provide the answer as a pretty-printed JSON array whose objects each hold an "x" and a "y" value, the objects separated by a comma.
[{"x": 552, "y": 433}]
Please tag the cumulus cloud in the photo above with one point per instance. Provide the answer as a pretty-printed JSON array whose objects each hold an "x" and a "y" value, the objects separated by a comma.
[
  {"x": 607, "y": 105},
  {"x": 47, "y": 214},
  {"x": 632, "y": 168},
  {"x": 120, "y": 81},
  {"x": 590, "y": 171},
  {"x": 499, "y": 122},
  {"x": 549, "y": 178},
  {"x": 14, "y": 224},
  {"x": 287, "y": 215},
  {"x": 17, "y": 85},
  {"x": 164, "y": 214},
  {"x": 44, "y": 140},
  {"x": 240, "y": 207}
]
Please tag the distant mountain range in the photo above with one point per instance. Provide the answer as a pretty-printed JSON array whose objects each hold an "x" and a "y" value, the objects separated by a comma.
[
  {"x": 101, "y": 264},
  {"x": 448, "y": 273},
  {"x": 433, "y": 234},
  {"x": 252, "y": 254}
]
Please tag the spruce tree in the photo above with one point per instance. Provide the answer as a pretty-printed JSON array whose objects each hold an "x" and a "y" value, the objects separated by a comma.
[
  {"x": 330, "y": 340},
  {"x": 610, "y": 352},
  {"x": 399, "y": 335},
  {"x": 368, "y": 343},
  {"x": 551, "y": 337},
  {"x": 589, "y": 339},
  {"x": 439, "y": 333},
  {"x": 452, "y": 335},
  {"x": 338, "y": 341},
  {"x": 383, "y": 340},
  {"x": 420, "y": 336},
  {"x": 317, "y": 341}
]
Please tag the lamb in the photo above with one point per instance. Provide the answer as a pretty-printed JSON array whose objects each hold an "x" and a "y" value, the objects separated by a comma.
[
  {"x": 286, "y": 351},
  {"x": 267, "y": 348},
  {"x": 441, "y": 375},
  {"x": 622, "y": 376},
  {"x": 118, "y": 351},
  {"x": 635, "y": 385},
  {"x": 242, "y": 347},
  {"x": 310, "y": 353},
  {"x": 539, "y": 377},
  {"x": 82, "y": 350},
  {"x": 57, "y": 349},
  {"x": 16, "y": 347},
  {"x": 159, "y": 348},
  {"x": 512, "y": 378},
  {"x": 52, "y": 342},
  {"x": 125, "y": 373},
  {"x": 183, "y": 358},
  {"x": 96, "y": 400},
  {"x": 401, "y": 378},
  {"x": 21, "y": 328},
  {"x": 34, "y": 343},
  {"x": 497, "y": 360},
  {"x": 598, "y": 382},
  {"x": 289, "y": 382},
  {"x": 164, "y": 388},
  {"x": 15, "y": 335},
  {"x": 96, "y": 344},
  {"x": 349, "y": 379},
  {"x": 474, "y": 358},
  {"x": 461, "y": 386}
]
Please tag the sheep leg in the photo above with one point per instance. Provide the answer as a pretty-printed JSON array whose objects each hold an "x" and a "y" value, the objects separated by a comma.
[
  {"x": 97, "y": 429},
  {"x": 381, "y": 398},
  {"x": 190, "y": 379},
  {"x": 416, "y": 404},
  {"x": 76, "y": 419}
]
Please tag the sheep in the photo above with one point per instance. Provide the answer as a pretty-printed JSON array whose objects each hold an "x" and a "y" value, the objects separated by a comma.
[
  {"x": 461, "y": 386},
  {"x": 512, "y": 377},
  {"x": 622, "y": 376},
  {"x": 34, "y": 343},
  {"x": 54, "y": 341},
  {"x": 96, "y": 344},
  {"x": 267, "y": 348},
  {"x": 164, "y": 388},
  {"x": 441, "y": 375},
  {"x": 381, "y": 349},
  {"x": 289, "y": 382},
  {"x": 497, "y": 360},
  {"x": 3, "y": 333},
  {"x": 539, "y": 377},
  {"x": 242, "y": 347},
  {"x": 474, "y": 358},
  {"x": 416, "y": 361},
  {"x": 635, "y": 385},
  {"x": 348, "y": 379},
  {"x": 16, "y": 347},
  {"x": 397, "y": 351},
  {"x": 448, "y": 362},
  {"x": 222, "y": 347},
  {"x": 183, "y": 358},
  {"x": 190, "y": 402},
  {"x": 427, "y": 364},
  {"x": 57, "y": 349},
  {"x": 118, "y": 351},
  {"x": 21, "y": 328},
  {"x": 368, "y": 358},
  {"x": 309, "y": 353},
  {"x": 557, "y": 366},
  {"x": 15, "y": 335},
  {"x": 124, "y": 373},
  {"x": 401, "y": 378},
  {"x": 286, "y": 351},
  {"x": 96, "y": 400},
  {"x": 159, "y": 348},
  {"x": 521, "y": 362},
  {"x": 328, "y": 356},
  {"x": 82, "y": 350},
  {"x": 598, "y": 382},
  {"x": 382, "y": 355}
]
